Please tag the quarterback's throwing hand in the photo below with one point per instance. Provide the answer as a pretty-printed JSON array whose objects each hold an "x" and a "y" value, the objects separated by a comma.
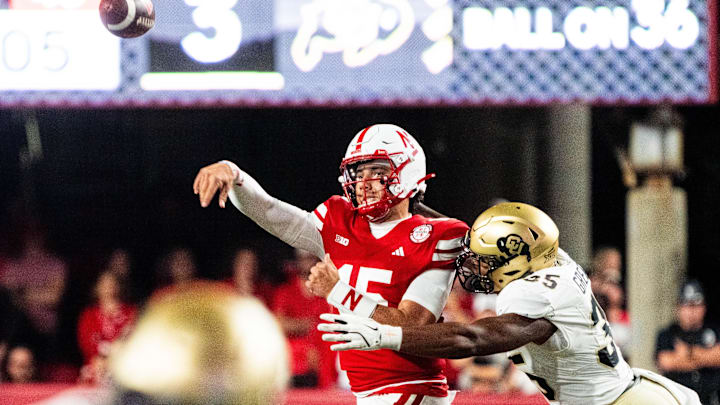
[
  {"x": 213, "y": 178},
  {"x": 358, "y": 333}
]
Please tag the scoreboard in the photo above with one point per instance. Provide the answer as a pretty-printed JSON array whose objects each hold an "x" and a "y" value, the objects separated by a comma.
[{"x": 362, "y": 53}]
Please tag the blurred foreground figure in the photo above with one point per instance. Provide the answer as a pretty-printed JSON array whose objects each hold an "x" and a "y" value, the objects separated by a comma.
[{"x": 202, "y": 345}]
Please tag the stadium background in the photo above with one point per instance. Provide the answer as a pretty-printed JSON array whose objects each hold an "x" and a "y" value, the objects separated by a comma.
[
  {"x": 123, "y": 177},
  {"x": 116, "y": 173}
]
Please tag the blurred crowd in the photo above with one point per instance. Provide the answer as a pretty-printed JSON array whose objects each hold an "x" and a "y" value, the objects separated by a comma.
[
  {"x": 34, "y": 287},
  {"x": 36, "y": 292}
]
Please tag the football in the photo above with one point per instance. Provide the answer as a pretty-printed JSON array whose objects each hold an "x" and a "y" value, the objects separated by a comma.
[{"x": 127, "y": 18}]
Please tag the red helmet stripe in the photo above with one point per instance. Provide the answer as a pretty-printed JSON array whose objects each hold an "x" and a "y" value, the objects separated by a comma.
[
  {"x": 360, "y": 138},
  {"x": 403, "y": 138}
]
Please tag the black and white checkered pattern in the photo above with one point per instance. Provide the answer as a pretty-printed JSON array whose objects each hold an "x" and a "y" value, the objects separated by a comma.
[{"x": 503, "y": 76}]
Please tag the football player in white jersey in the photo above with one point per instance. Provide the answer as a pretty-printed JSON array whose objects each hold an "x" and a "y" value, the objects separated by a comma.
[
  {"x": 548, "y": 320},
  {"x": 378, "y": 259}
]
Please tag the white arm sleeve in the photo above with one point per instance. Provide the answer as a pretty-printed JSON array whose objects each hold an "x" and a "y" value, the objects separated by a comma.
[
  {"x": 431, "y": 290},
  {"x": 289, "y": 223}
]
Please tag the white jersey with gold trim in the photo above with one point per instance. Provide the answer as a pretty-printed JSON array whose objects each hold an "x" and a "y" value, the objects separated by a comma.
[{"x": 580, "y": 363}]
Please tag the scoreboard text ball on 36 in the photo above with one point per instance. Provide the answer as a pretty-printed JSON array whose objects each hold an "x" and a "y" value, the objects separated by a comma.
[{"x": 127, "y": 18}]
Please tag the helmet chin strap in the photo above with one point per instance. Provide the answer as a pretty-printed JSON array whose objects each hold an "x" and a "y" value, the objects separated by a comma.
[
  {"x": 377, "y": 211},
  {"x": 399, "y": 197}
]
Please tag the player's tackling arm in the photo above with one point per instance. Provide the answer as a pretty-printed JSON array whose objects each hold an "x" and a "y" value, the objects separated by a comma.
[
  {"x": 444, "y": 340},
  {"x": 290, "y": 224},
  {"x": 423, "y": 301},
  {"x": 482, "y": 337},
  {"x": 408, "y": 313}
]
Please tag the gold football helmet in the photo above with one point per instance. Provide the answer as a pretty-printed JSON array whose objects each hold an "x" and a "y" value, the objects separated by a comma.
[
  {"x": 203, "y": 344},
  {"x": 506, "y": 242}
]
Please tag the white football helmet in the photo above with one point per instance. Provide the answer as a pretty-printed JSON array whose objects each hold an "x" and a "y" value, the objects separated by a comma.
[{"x": 389, "y": 143}]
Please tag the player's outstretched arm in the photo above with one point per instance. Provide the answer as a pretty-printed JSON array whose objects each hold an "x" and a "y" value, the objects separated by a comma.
[
  {"x": 290, "y": 224},
  {"x": 443, "y": 340}
]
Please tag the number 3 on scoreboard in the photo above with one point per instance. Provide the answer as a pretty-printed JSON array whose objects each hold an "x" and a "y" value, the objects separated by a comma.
[{"x": 218, "y": 15}]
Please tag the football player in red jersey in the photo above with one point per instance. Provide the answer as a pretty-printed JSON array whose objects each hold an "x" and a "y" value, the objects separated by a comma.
[
  {"x": 549, "y": 323},
  {"x": 379, "y": 260}
]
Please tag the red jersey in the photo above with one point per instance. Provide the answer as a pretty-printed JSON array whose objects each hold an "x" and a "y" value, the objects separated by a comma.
[
  {"x": 384, "y": 268},
  {"x": 292, "y": 301},
  {"x": 96, "y": 329}
]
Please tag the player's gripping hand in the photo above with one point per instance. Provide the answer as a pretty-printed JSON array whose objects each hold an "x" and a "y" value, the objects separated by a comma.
[
  {"x": 323, "y": 277},
  {"x": 213, "y": 178},
  {"x": 358, "y": 333}
]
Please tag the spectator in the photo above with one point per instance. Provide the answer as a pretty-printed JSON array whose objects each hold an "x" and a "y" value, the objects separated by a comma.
[
  {"x": 297, "y": 310},
  {"x": 20, "y": 365},
  {"x": 119, "y": 262},
  {"x": 15, "y": 327},
  {"x": 37, "y": 280},
  {"x": 606, "y": 281},
  {"x": 606, "y": 268},
  {"x": 245, "y": 269},
  {"x": 688, "y": 351},
  {"x": 110, "y": 318},
  {"x": 177, "y": 269}
]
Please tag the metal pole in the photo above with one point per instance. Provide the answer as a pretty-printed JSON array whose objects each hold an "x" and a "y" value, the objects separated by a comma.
[
  {"x": 656, "y": 261},
  {"x": 568, "y": 199}
]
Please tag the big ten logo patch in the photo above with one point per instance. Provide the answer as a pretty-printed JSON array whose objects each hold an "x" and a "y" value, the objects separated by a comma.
[{"x": 342, "y": 240}]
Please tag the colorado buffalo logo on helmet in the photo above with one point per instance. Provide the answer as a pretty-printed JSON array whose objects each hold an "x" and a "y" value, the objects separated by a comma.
[{"x": 512, "y": 246}]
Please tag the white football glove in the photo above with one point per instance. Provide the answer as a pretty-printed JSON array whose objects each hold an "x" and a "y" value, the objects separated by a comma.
[{"x": 359, "y": 333}]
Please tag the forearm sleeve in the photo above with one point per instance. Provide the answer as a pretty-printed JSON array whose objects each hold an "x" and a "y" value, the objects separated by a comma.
[{"x": 290, "y": 224}]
